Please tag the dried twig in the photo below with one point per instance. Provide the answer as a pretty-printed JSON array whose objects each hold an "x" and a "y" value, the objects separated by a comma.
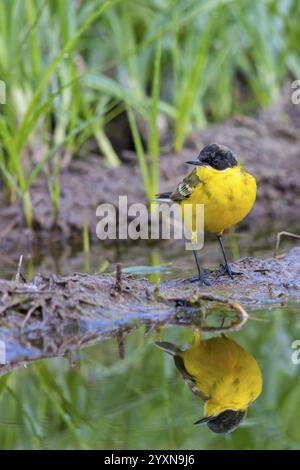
[
  {"x": 118, "y": 284},
  {"x": 28, "y": 314},
  {"x": 18, "y": 275},
  {"x": 278, "y": 239}
]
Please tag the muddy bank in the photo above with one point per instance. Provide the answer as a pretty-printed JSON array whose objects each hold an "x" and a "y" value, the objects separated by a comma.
[
  {"x": 55, "y": 316},
  {"x": 269, "y": 145}
]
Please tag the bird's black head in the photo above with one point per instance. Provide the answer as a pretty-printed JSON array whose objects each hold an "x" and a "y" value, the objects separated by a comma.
[
  {"x": 217, "y": 156},
  {"x": 225, "y": 422}
]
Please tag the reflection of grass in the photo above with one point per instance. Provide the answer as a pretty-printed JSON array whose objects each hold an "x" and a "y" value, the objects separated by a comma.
[
  {"x": 233, "y": 243},
  {"x": 86, "y": 244},
  {"x": 141, "y": 402}
]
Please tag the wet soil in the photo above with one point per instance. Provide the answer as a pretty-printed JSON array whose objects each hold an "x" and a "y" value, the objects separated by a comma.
[
  {"x": 268, "y": 145},
  {"x": 57, "y": 315}
]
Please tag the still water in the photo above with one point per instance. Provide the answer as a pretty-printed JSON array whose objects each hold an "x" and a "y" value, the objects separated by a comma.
[
  {"x": 131, "y": 396},
  {"x": 141, "y": 401}
]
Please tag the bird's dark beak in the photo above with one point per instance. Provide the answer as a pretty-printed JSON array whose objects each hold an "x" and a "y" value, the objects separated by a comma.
[
  {"x": 195, "y": 163},
  {"x": 203, "y": 420}
]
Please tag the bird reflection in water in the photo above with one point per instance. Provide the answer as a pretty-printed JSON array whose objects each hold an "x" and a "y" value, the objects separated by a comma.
[{"x": 225, "y": 376}]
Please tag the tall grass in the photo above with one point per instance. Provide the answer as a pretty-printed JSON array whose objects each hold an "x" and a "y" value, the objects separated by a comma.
[
  {"x": 65, "y": 63},
  {"x": 34, "y": 100}
]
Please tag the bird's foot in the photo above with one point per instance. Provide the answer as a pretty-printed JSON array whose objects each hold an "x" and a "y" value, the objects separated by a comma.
[
  {"x": 203, "y": 282},
  {"x": 227, "y": 270}
]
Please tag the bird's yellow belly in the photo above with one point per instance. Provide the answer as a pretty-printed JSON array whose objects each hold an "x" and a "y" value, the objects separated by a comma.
[
  {"x": 225, "y": 373},
  {"x": 227, "y": 198}
]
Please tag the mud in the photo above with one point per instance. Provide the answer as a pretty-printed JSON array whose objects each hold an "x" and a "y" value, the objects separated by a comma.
[
  {"x": 268, "y": 145},
  {"x": 56, "y": 316}
]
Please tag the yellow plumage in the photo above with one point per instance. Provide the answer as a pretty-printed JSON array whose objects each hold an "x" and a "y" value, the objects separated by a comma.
[
  {"x": 228, "y": 196},
  {"x": 223, "y": 374},
  {"x": 223, "y": 187}
]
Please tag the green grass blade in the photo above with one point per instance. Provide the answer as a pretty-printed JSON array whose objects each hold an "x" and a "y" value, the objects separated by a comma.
[
  {"x": 71, "y": 43},
  {"x": 191, "y": 88},
  {"x": 154, "y": 148},
  {"x": 139, "y": 151}
]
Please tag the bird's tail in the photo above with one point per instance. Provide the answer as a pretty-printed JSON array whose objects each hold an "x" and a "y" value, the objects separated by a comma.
[
  {"x": 163, "y": 197},
  {"x": 168, "y": 347}
]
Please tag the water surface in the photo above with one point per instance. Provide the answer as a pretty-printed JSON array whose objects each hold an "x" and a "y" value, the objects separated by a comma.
[{"x": 95, "y": 399}]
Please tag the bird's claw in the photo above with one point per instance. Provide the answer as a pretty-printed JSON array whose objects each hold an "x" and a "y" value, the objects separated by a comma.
[
  {"x": 227, "y": 270},
  {"x": 203, "y": 282}
]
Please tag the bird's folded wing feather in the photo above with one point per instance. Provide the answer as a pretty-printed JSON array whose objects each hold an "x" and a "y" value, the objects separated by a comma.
[
  {"x": 189, "y": 380},
  {"x": 186, "y": 187}
]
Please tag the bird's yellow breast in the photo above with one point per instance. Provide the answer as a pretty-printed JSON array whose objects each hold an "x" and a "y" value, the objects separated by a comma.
[
  {"x": 227, "y": 195},
  {"x": 224, "y": 372}
]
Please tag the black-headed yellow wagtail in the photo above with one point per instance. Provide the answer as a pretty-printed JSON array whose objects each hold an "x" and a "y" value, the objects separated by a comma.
[
  {"x": 225, "y": 189},
  {"x": 220, "y": 372}
]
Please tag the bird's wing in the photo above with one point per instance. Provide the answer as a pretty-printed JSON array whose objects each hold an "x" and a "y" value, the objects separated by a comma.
[
  {"x": 189, "y": 380},
  {"x": 186, "y": 187},
  {"x": 168, "y": 347}
]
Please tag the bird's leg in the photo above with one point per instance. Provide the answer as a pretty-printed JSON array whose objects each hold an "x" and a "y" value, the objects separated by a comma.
[
  {"x": 223, "y": 321},
  {"x": 226, "y": 266},
  {"x": 201, "y": 277}
]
